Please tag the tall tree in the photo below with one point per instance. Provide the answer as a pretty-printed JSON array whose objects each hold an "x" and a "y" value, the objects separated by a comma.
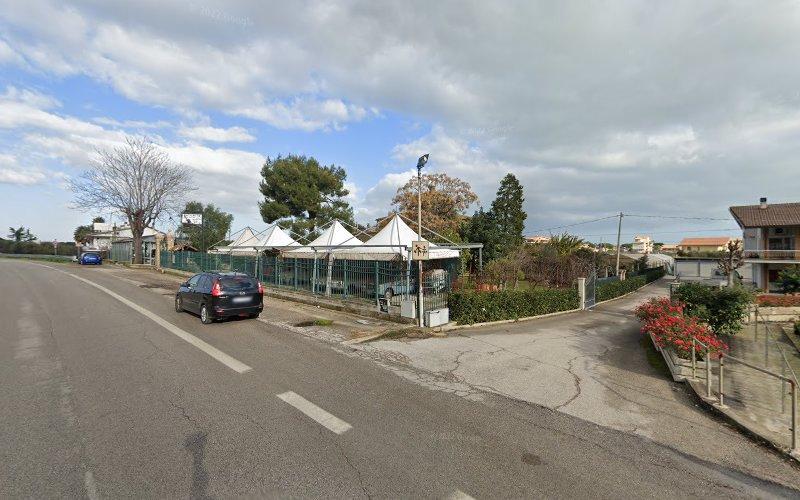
[
  {"x": 445, "y": 200},
  {"x": 21, "y": 234},
  {"x": 508, "y": 214},
  {"x": 98, "y": 219},
  {"x": 216, "y": 224},
  {"x": 301, "y": 195},
  {"x": 482, "y": 228},
  {"x": 138, "y": 180},
  {"x": 82, "y": 233}
]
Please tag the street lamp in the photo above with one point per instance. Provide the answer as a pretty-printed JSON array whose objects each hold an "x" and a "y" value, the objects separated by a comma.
[{"x": 420, "y": 163}]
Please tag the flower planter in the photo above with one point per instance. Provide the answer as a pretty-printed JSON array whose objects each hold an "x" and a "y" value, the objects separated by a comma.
[{"x": 679, "y": 367}]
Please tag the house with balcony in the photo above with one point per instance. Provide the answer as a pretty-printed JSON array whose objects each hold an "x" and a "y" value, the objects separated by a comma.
[
  {"x": 642, "y": 244},
  {"x": 771, "y": 234}
]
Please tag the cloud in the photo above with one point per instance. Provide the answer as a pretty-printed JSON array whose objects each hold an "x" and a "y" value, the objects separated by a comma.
[
  {"x": 596, "y": 107},
  {"x": 12, "y": 173},
  {"x": 213, "y": 134}
]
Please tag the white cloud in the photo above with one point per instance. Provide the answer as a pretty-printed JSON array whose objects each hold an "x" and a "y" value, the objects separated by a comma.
[
  {"x": 12, "y": 173},
  {"x": 214, "y": 134}
]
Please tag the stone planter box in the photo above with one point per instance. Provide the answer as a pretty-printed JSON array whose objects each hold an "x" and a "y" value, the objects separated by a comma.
[
  {"x": 777, "y": 314},
  {"x": 680, "y": 368}
]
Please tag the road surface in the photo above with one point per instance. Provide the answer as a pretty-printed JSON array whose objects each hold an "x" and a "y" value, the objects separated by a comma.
[{"x": 108, "y": 392}]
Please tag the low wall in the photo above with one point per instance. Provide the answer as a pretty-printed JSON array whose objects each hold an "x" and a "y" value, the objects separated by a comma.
[{"x": 777, "y": 314}]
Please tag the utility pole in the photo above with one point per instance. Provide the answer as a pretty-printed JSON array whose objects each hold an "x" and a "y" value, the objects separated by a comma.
[
  {"x": 420, "y": 163},
  {"x": 619, "y": 234}
]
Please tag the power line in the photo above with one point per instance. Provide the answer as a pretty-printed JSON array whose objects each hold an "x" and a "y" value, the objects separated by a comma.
[
  {"x": 645, "y": 232},
  {"x": 677, "y": 217},
  {"x": 575, "y": 224}
]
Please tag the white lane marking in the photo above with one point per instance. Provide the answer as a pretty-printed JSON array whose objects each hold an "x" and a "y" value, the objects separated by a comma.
[
  {"x": 229, "y": 361},
  {"x": 322, "y": 417},
  {"x": 91, "y": 486},
  {"x": 459, "y": 495}
]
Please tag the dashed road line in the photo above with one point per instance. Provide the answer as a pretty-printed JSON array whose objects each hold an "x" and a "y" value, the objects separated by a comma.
[
  {"x": 459, "y": 495},
  {"x": 227, "y": 360},
  {"x": 314, "y": 412},
  {"x": 90, "y": 485}
]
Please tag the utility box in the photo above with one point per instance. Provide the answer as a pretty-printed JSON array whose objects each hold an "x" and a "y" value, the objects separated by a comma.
[
  {"x": 437, "y": 317},
  {"x": 408, "y": 309}
]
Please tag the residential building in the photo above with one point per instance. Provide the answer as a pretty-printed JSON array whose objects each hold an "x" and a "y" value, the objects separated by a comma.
[
  {"x": 537, "y": 239},
  {"x": 105, "y": 233},
  {"x": 668, "y": 248},
  {"x": 771, "y": 235},
  {"x": 704, "y": 244},
  {"x": 642, "y": 244}
]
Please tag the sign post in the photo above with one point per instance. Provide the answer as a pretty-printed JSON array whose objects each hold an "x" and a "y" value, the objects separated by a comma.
[{"x": 419, "y": 252}]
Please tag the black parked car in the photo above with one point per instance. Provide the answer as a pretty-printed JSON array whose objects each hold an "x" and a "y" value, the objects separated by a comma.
[{"x": 220, "y": 295}]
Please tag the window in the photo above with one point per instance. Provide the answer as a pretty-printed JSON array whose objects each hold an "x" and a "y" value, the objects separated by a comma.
[
  {"x": 780, "y": 244},
  {"x": 194, "y": 280},
  {"x": 236, "y": 283}
]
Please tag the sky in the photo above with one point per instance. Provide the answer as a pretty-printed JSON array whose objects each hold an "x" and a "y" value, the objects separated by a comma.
[{"x": 667, "y": 109}]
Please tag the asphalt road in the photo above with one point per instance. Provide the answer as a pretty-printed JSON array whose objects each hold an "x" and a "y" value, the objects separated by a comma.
[{"x": 105, "y": 398}]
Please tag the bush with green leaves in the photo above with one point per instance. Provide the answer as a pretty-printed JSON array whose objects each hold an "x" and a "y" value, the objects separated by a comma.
[
  {"x": 724, "y": 309},
  {"x": 789, "y": 279},
  {"x": 613, "y": 289},
  {"x": 470, "y": 307}
]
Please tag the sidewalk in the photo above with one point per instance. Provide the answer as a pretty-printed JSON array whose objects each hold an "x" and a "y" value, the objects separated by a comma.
[
  {"x": 594, "y": 365},
  {"x": 764, "y": 401}
]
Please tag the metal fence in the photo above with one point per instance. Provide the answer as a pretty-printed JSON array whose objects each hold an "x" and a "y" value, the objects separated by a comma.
[{"x": 352, "y": 280}]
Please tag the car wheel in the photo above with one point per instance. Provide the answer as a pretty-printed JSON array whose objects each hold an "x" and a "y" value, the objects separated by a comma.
[
  {"x": 178, "y": 304},
  {"x": 388, "y": 294},
  {"x": 205, "y": 317}
]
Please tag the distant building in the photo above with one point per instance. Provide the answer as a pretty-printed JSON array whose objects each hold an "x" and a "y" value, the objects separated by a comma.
[
  {"x": 704, "y": 244},
  {"x": 668, "y": 248},
  {"x": 105, "y": 233},
  {"x": 537, "y": 239},
  {"x": 642, "y": 244},
  {"x": 771, "y": 239}
]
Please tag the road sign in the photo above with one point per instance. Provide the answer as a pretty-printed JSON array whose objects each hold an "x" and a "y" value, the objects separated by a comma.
[
  {"x": 192, "y": 219},
  {"x": 419, "y": 250}
]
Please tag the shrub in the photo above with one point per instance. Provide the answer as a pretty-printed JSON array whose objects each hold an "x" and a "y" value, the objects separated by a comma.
[
  {"x": 670, "y": 326},
  {"x": 470, "y": 307},
  {"x": 616, "y": 288},
  {"x": 778, "y": 300},
  {"x": 723, "y": 309},
  {"x": 790, "y": 279}
]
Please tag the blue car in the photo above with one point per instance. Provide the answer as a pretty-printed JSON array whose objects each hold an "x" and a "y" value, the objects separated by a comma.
[{"x": 90, "y": 258}]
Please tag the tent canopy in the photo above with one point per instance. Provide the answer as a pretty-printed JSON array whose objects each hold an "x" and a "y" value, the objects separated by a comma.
[
  {"x": 392, "y": 243},
  {"x": 336, "y": 234},
  {"x": 250, "y": 243}
]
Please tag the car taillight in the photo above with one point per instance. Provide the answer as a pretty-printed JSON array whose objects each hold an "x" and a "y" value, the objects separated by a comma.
[
  {"x": 260, "y": 288},
  {"x": 216, "y": 290}
]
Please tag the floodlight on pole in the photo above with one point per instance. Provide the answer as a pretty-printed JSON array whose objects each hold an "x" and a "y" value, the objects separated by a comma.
[{"x": 420, "y": 163}]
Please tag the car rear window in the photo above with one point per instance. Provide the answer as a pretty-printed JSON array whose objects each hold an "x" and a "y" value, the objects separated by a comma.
[
  {"x": 237, "y": 283},
  {"x": 88, "y": 254}
]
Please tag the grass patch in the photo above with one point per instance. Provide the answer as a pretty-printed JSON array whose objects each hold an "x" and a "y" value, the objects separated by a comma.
[
  {"x": 405, "y": 333},
  {"x": 315, "y": 322},
  {"x": 654, "y": 358}
]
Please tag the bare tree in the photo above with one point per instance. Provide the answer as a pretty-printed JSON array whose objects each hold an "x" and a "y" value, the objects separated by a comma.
[
  {"x": 138, "y": 180},
  {"x": 732, "y": 258}
]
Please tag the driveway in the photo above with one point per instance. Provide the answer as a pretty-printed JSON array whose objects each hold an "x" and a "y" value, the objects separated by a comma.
[{"x": 594, "y": 365}]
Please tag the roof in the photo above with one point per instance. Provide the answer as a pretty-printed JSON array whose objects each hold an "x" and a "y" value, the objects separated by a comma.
[
  {"x": 713, "y": 241},
  {"x": 336, "y": 234},
  {"x": 250, "y": 243},
  {"x": 393, "y": 242},
  {"x": 775, "y": 214}
]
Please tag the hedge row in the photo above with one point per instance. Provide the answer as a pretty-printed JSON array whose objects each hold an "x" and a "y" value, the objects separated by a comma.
[
  {"x": 613, "y": 289},
  {"x": 477, "y": 307}
]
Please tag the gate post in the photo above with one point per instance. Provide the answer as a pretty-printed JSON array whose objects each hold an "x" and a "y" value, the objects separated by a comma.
[{"x": 582, "y": 293}]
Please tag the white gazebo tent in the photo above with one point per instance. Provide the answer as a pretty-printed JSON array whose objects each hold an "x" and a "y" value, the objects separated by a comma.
[
  {"x": 393, "y": 242},
  {"x": 274, "y": 238},
  {"x": 242, "y": 244},
  {"x": 335, "y": 235}
]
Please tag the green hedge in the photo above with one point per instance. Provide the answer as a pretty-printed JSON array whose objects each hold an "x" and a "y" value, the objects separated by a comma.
[
  {"x": 477, "y": 307},
  {"x": 613, "y": 289}
]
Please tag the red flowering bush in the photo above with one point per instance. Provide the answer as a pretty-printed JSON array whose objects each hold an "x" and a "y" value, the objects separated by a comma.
[
  {"x": 778, "y": 300},
  {"x": 670, "y": 326}
]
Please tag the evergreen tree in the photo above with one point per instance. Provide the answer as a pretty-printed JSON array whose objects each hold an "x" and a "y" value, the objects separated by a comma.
[
  {"x": 508, "y": 215},
  {"x": 216, "y": 224},
  {"x": 482, "y": 228}
]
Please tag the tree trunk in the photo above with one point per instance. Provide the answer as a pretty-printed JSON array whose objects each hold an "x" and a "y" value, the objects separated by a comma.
[{"x": 137, "y": 248}]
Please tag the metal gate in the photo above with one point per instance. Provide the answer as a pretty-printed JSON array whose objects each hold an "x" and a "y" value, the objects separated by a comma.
[{"x": 591, "y": 288}]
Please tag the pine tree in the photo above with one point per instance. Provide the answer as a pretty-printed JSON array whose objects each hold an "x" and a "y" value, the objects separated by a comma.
[{"x": 508, "y": 214}]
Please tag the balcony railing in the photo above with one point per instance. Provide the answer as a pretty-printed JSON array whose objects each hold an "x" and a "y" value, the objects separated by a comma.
[{"x": 772, "y": 254}]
